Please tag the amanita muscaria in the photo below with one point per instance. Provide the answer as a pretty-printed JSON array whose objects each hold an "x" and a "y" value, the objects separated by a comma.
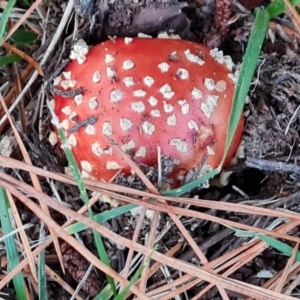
[{"x": 143, "y": 93}]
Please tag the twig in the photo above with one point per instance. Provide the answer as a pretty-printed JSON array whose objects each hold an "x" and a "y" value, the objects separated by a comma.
[
  {"x": 66, "y": 94},
  {"x": 89, "y": 121},
  {"x": 273, "y": 166},
  {"x": 291, "y": 120}
]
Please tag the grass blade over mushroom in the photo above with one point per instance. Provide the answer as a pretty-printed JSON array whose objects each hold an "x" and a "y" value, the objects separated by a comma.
[
  {"x": 248, "y": 68},
  {"x": 77, "y": 176},
  {"x": 246, "y": 74}
]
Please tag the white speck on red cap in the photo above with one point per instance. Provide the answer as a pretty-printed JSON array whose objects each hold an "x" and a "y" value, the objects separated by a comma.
[
  {"x": 86, "y": 166},
  {"x": 183, "y": 73},
  {"x": 78, "y": 99},
  {"x": 181, "y": 146},
  {"x": 93, "y": 103},
  {"x": 85, "y": 175},
  {"x": 228, "y": 62},
  {"x": 234, "y": 76},
  {"x": 96, "y": 77},
  {"x": 65, "y": 124},
  {"x": 112, "y": 165},
  {"x": 208, "y": 106},
  {"x": 166, "y": 91},
  {"x": 185, "y": 107},
  {"x": 109, "y": 58},
  {"x": 125, "y": 124},
  {"x": 212, "y": 99},
  {"x": 168, "y": 107},
  {"x": 141, "y": 152},
  {"x": 217, "y": 55},
  {"x": 138, "y": 106},
  {"x": 171, "y": 120},
  {"x": 210, "y": 151},
  {"x": 110, "y": 72},
  {"x": 107, "y": 128},
  {"x": 128, "y": 81},
  {"x": 209, "y": 84},
  {"x": 208, "y": 110},
  {"x": 153, "y": 101},
  {"x": 148, "y": 128},
  {"x": 193, "y": 58},
  {"x": 116, "y": 96},
  {"x": 68, "y": 83},
  {"x": 155, "y": 113},
  {"x": 128, "y": 40},
  {"x": 97, "y": 149},
  {"x": 148, "y": 80},
  {"x": 67, "y": 75},
  {"x": 90, "y": 130},
  {"x": 196, "y": 93},
  {"x": 139, "y": 93},
  {"x": 72, "y": 140},
  {"x": 164, "y": 67},
  {"x": 193, "y": 125},
  {"x": 79, "y": 52},
  {"x": 128, "y": 146},
  {"x": 128, "y": 64}
]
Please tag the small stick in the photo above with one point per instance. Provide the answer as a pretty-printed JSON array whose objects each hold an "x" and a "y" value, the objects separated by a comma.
[
  {"x": 273, "y": 166},
  {"x": 89, "y": 121}
]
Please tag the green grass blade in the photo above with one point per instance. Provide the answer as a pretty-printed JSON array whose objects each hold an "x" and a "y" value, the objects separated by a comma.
[
  {"x": 26, "y": 2},
  {"x": 191, "y": 185},
  {"x": 43, "y": 295},
  {"x": 253, "y": 50},
  {"x": 101, "y": 218},
  {"x": 134, "y": 279},
  {"x": 76, "y": 173},
  {"x": 11, "y": 250},
  {"x": 278, "y": 7},
  {"x": 5, "y": 16},
  {"x": 278, "y": 245},
  {"x": 9, "y": 59},
  {"x": 105, "y": 294},
  {"x": 23, "y": 37},
  {"x": 243, "y": 85},
  {"x": 77, "y": 176}
]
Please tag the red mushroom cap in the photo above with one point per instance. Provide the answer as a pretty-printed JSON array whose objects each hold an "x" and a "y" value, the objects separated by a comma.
[{"x": 146, "y": 93}]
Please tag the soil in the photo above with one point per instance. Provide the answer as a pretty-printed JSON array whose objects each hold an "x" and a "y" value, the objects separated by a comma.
[{"x": 271, "y": 135}]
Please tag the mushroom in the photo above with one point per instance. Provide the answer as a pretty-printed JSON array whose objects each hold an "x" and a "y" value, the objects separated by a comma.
[{"x": 143, "y": 93}]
